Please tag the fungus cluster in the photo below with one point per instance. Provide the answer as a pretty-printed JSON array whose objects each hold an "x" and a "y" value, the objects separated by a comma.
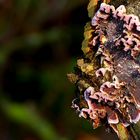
[
  {"x": 112, "y": 92},
  {"x": 114, "y": 28}
]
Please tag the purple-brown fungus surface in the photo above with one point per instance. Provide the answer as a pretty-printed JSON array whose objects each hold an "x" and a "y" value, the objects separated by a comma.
[{"x": 110, "y": 75}]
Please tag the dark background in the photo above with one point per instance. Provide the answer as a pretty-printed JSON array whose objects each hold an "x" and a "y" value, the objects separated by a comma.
[{"x": 40, "y": 41}]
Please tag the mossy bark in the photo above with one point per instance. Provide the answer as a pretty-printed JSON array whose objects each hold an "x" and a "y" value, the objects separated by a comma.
[{"x": 132, "y": 132}]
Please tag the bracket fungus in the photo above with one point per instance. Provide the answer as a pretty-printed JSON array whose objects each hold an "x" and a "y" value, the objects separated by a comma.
[{"x": 111, "y": 94}]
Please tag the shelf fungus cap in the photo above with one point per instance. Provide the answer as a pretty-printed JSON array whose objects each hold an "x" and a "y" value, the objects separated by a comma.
[{"x": 113, "y": 118}]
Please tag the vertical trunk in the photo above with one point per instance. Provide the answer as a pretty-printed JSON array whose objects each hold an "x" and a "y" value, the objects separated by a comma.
[{"x": 133, "y": 7}]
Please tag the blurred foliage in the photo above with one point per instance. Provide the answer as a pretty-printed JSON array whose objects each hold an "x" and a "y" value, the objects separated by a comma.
[{"x": 39, "y": 44}]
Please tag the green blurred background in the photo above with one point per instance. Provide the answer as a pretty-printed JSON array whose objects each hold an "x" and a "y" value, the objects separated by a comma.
[{"x": 40, "y": 41}]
